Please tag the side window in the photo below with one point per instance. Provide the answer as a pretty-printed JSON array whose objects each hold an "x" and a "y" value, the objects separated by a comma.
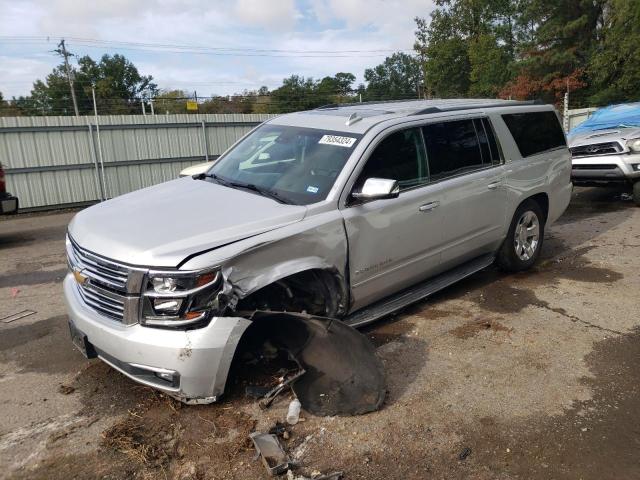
[
  {"x": 535, "y": 132},
  {"x": 487, "y": 139},
  {"x": 453, "y": 148},
  {"x": 399, "y": 157}
]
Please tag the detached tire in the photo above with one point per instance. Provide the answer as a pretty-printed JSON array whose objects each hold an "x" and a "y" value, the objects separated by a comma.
[
  {"x": 636, "y": 193},
  {"x": 521, "y": 249}
]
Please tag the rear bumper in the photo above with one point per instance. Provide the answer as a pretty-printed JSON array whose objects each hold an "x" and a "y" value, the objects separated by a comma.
[
  {"x": 8, "y": 204},
  {"x": 605, "y": 169},
  {"x": 190, "y": 365}
]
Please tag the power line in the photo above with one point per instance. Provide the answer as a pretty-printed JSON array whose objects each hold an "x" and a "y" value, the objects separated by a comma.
[{"x": 205, "y": 50}]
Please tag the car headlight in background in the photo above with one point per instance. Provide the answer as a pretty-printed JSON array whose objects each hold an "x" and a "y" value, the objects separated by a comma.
[
  {"x": 634, "y": 145},
  {"x": 176, "y": 299}
]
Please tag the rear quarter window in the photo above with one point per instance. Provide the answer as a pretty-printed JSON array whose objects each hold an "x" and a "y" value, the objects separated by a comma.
[{"x": 535, "y": 132}]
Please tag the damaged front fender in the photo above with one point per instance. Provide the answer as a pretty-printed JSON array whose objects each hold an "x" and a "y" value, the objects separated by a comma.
[{"x": 343, "y": 374}]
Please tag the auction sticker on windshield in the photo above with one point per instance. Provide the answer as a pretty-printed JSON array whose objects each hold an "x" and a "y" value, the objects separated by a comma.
[{"x": 337, "y": 140}]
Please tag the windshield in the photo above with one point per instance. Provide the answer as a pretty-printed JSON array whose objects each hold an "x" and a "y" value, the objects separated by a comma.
[{"x": 298, "y": 165}]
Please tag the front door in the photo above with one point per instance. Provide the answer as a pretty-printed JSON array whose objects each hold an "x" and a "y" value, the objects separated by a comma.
[{"x": 394, "y": 243}]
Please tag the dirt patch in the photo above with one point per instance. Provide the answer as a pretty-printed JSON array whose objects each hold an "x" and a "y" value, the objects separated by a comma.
[
  {"x": 389, "y": 330},
  {"x": 573, "y": 266},
  {"x": 473, "y": 328},
  {"x": 26, "y": 237},
  {"x": 14, "y": 279},
  {"x": 596, "y": 439},
  {"x": 43, "y": 346}
]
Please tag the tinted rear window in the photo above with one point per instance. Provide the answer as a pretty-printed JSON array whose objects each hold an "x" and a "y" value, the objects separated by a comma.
[{"x": 535, "y": 132}]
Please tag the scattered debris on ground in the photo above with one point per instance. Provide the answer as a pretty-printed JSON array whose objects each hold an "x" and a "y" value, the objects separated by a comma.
[
  {"x": 66, "y": 389},
  {"x": 273, "y": 456},
  {"x": 17, "y": 316}
]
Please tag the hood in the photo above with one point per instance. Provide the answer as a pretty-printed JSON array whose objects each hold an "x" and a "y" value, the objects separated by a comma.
[
  {"x": 620, "y": 135},
  {"x": 162, "y": 225}
]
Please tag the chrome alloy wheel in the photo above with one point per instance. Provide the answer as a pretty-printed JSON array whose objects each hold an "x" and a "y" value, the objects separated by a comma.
[{"x": 527, "y": 236}]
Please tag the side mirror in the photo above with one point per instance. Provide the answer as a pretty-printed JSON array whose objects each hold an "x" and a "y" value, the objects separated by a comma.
[{"x": 378, "y": 189}]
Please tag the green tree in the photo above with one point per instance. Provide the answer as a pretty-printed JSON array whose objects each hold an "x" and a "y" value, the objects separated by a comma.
[
  {"x": 613, "y": 67},
  {"x": 399, "y": 76},
  {"x": 557, "y": 40},
  {"x": 170, "y": 101},
  {"x": 119, "y": 88},
  {"x": 489, "y": 66},
  {"x": 118, "y": 83}
]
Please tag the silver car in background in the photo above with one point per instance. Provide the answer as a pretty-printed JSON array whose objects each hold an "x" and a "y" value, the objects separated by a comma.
[
  {"x": 606, "y": 149},
  {"x": 347, "y": 211}
]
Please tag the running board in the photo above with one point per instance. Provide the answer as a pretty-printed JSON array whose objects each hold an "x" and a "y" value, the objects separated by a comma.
[{"x": 418, "y": 292}]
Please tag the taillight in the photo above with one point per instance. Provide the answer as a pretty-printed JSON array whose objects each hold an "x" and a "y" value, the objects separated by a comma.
[{"x": 3, "y": 185}]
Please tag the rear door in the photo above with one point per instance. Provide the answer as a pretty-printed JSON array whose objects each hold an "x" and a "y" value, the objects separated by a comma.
[
  {"x": 464, "y": 158},
  {"x": 393, "y": 243}
]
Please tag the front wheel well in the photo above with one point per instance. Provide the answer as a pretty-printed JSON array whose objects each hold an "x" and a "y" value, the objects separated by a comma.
[{"x": 314, "y": 291}]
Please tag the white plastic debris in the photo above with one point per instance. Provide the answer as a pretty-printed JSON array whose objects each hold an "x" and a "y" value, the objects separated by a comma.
[{"x": 293, "y": 414}]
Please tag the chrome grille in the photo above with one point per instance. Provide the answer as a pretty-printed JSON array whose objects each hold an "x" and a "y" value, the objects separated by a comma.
[
  {"x": 108, "y": 287},
  {"x": 101, "y": 271},
  {"x": 596, "y": 149},
  {"x": 103, "y": 302}
]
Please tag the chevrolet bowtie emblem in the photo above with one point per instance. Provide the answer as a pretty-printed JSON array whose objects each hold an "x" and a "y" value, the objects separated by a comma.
[{"x": 80, "y": 278}]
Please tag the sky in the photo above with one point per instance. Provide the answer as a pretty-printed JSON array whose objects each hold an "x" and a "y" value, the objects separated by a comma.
[{"x": 214, "y": 47}]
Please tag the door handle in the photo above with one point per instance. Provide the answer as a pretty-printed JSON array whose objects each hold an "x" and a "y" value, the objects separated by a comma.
[
  {"x": 427, "y": 207},
  {"x": 494, "y": 185}
]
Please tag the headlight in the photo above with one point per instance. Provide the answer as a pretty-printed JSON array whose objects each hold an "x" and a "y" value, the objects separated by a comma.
[
  {"x": 634, "y": 145},
  {"x": 175, "y": 299}
]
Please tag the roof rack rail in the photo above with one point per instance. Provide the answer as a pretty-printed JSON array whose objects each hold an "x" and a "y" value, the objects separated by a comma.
[
  {"x": 327, "y": 106},
  {"x": 370, "y": 102},
  {"x": 476, "y": 107}
]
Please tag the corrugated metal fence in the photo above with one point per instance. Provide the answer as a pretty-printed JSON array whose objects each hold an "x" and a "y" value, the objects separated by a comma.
[{"x": 56, "y": 161}]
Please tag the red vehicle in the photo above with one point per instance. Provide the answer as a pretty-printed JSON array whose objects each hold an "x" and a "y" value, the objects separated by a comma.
[{"x": 8, "y": 203}]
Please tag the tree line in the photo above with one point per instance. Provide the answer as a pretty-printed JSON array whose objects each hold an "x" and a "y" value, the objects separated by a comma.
[
  {"x": 520, "y": 49},
  {"x": 532, "y": 49}
]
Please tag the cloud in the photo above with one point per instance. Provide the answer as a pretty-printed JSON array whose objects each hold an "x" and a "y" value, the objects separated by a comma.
[
  {"x": 327, "y": 25},
  {"x": 272, "y": 14}
]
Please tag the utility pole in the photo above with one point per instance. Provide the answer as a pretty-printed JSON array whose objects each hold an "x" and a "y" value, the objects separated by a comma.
[
  {"x": 153, "y": 112},
  {"x": 62, "y": 50},
  {"x": 565, "y": 113},
  {"x": 95, "y": 113}
]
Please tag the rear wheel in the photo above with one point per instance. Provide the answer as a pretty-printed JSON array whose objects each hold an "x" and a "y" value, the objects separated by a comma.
[
  {"x": 636, "y": 193},
  {"x": 522, "y": 246}
]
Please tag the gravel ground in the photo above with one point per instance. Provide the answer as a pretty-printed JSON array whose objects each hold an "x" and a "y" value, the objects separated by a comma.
[{"x": 534, "y": 375}]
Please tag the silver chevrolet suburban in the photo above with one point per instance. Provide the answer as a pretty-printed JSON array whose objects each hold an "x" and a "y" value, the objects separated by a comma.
[{"x": 347, "y": 211}]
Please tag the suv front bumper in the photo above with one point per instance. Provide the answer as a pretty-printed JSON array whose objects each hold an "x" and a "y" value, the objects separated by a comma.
[
  {"x": 191, "y": 365},
  {"x": 605, "y": 169},
  {"x": 8, "y": 204}
]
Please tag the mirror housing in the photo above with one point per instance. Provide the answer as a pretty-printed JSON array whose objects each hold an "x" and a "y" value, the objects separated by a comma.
[{"x": 378, "y": 189}]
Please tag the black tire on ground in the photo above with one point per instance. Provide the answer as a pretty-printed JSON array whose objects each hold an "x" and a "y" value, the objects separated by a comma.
[
  {"x": 508, "y": 259},
  {"x": 636, "y": 193}
]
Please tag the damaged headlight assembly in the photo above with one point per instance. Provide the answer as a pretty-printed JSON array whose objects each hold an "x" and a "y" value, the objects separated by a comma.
[{"x": 179, "y": 299}]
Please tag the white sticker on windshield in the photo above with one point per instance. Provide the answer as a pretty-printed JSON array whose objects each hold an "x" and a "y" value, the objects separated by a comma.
[
  {"x": 336, "y": 140},
  {"x": 312, "y": 189}
]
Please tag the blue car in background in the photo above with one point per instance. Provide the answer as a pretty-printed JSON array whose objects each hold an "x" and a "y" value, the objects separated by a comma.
[{"x": 606, "y": 148}]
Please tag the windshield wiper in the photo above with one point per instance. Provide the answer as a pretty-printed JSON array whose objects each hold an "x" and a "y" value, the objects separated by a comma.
[
  {"x": 260, "y": 191},
  {"x": 249, "y": 186}
]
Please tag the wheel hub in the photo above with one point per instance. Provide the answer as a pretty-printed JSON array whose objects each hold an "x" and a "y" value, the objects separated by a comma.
[{"x": 527, "y": 236}]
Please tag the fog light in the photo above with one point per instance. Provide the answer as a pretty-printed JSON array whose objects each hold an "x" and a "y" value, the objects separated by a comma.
[
  {"x": 167, "y": 306},
  {"x": 166, "y": 376},
  {"x": 636, "y": 167}
]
